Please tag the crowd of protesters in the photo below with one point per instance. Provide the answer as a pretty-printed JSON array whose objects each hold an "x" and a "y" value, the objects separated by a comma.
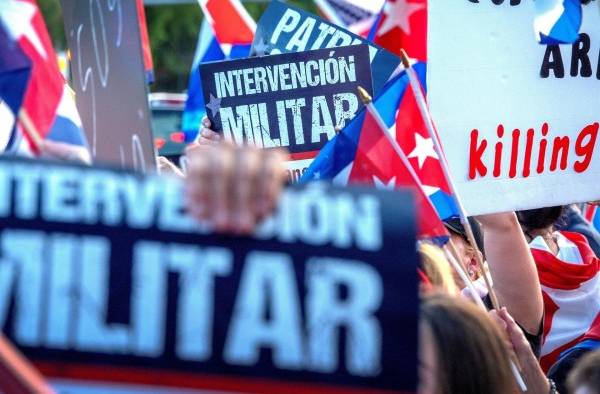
[
  {"x": 514, "y": 309},
  {"x": 464, "y": 348}
]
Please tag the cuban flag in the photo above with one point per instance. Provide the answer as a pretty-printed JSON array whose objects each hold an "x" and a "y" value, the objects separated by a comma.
[
  {"x": 402, "y": 24},
  {"x": 47, "y": 101},
  {"x": 571, "y": 291},
  {"x": 557, "y": 21},
  {"x": 227, "y": 32},
  {"x": 361, "y": 154}
]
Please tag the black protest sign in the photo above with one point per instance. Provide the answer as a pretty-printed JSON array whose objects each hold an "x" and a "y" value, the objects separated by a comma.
[
  {"x": 110, "y": 81},
  {"x": 103, "y": 276},
  {"x": 295, "y": 100},
  {"x": 283, "y": 28}
]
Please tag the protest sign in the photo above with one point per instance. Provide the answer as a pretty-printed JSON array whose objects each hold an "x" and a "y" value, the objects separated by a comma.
[
  {"x": 294, "y": 100},
  {"x": 103, "y": 277},
  {"x": 110, "y": 81},
  {"x": 518, "y": 120},
  {"x": 283, "y": 28}
]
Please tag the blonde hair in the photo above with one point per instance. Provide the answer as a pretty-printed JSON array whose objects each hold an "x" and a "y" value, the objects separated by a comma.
[{"x": 437, "y": 268}]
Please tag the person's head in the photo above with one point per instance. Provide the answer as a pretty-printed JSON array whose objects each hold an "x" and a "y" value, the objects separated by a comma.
[
  {"x": 461, "y": 350},
  {"x": 539, "y": 219},
  {"x": 437, "y": 269},
  {"x": 466, "y": 251},
  {"x": 585, "y": 377}
]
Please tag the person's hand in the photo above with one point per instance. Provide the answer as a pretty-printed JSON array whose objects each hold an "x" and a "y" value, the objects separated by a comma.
[
  {"x": 65, "y": 152},
  {"x": 532, "y": 373},
  {"x": 166, "y": 167},
  {"x": 233, "y": 188},
  {"x": 207, "y": 136}
]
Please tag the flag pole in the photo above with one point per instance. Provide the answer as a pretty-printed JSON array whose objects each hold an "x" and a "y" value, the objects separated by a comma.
[
  {"x": 422, "y": 104},
  {"x": 368, "y": 101},
  {"x": 30, "y": 129}
]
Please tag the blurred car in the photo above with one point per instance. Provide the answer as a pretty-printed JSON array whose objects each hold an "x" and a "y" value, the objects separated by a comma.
[{"x": 167, "y": 110}]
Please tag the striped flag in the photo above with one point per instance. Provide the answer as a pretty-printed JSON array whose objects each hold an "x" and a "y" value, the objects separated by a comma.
[
  {"x": 47, "y": 102},
  {"x": 361, "y": 154},
  {"x": 571, "y": 291},
  {"x": 227, "y": 32}
]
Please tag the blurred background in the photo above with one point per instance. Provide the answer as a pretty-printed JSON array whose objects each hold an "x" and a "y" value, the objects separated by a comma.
[
  {"x": 173, "y": 29},
  {"x": 173, "y": 26}
]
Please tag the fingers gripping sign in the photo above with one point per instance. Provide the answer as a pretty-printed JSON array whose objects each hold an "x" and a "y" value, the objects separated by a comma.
[
  {"x": 207, "y": 136},
  {"x": 233, "y": 187}
]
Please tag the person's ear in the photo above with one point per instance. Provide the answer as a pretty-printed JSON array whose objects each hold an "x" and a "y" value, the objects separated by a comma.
[{"x": 473, "y": 269}]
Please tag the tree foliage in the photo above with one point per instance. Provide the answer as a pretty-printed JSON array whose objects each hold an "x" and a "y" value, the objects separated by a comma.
[{"x": 173, "y": 34}]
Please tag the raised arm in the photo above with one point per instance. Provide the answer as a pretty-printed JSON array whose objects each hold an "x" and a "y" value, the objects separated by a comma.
[{"x": 513, "y": 269}]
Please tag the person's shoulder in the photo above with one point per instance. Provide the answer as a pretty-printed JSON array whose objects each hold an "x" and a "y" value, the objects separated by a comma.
[{"x": 575, "y": 236}]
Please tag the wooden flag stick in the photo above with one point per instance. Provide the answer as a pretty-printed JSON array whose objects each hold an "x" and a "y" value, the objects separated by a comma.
[
  {"x": 17, "y": 374},
  {"x": 30, "y": 129},
  {"x": 422, "y": 104}
]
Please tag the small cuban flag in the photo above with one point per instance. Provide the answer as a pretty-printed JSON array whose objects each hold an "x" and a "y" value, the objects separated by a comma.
[{"x": 557, "y": 21}]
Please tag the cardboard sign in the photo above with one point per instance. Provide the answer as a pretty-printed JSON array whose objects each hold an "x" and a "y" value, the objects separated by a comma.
[
  {"x": 295, "y": 100},
  {"x": 518, "y": 120},
  {"x": 110, "y": 81},
  {"x": 103, "y": 277},
  {"x": 283, "y": 28}
]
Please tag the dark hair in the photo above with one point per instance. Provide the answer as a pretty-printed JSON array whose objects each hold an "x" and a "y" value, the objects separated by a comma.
[
  {"x": 472, "y": 356},
  {"x": 454, "y": 224},
  {"x": 538, "y": 219},
  {"x": 586, "y": 373}
]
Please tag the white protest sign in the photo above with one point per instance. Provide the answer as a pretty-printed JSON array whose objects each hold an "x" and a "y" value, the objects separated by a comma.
[{"x": 518, "y": 120}]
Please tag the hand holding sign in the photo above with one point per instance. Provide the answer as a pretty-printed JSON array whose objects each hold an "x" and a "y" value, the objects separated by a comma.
[
  {"x": 294, "y": 101},
  {"x": 310, "y": 301},
  {"x": 208, "y": 136},
  {"x": 233, "y": 187}
]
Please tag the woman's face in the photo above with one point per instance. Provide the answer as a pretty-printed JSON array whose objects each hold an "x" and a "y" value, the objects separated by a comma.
[
  {"x": 428, "y": 368},
  {"x": 467, "y": 255}
]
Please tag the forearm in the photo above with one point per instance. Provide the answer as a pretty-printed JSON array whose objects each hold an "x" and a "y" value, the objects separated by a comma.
[{"x": 513, "y": 269}]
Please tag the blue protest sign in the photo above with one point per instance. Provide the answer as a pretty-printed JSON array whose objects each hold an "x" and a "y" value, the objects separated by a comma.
[
  {"x": 296, "y": 100},
  {"x": 284, "y": 28},
  {"x": 103, "y": 278}
]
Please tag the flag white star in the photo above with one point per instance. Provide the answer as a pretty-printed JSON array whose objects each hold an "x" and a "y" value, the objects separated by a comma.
[
  {"x": 397, "y": 14},
  {"x": 17, "y": 18},
  {"x": 381, "y": 185},
  {"x": 423, "y": 149}
]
